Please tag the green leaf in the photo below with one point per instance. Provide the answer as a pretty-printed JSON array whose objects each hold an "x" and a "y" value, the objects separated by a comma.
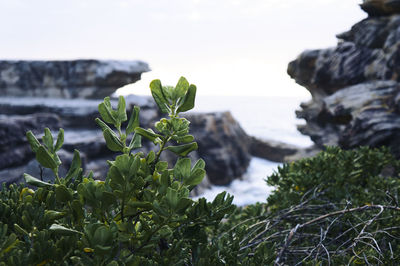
[
  {"x": 199, "y": 164},
  {"x": 107, "y": 199},
  {"x": 44, "y": 157},
  {"x": 188, "y": 102},
  {"x": 172, "y": 197},
  {"x": 220, "y": 199},
  {"x": 35, "y": 144},
  {"x": 36, "y": 182},
  {"x": 183, "y": 204},
  {"x": 103, "y": 125},
  {"x": 165, "y": 181},
  {"x": 135, "y": 165},
  {"x": 159, "y": 209},
  {"x": 182, "y": 168},
  {"x": 183, "y": 139},
  {"x": 181, "y": 88},
  {"x": 147, "y": 133},
  {"x": 121, "y": 109},
  {"x": 183, "y": 150},
  {"x": 106, "y": 111},
  {"x": 48, "y": 139},
  {"x": 161, "y": 166},
  {"x": 9, "y": 244},
  {"x": 195, "y": 177},
  {"x": 102, "y": 235},
  {"x": 150, "y": 157},
  {"x": 50, "y": 215},
  {"x": 136, "y": 142},
  {"x": 75, "y": 166},
  {"x": 63, "y": 194},
  {"x": 158, "y": 95},
  {"x": 20, "y": 230},
  {"x": 117, "y": 179},
  {"x": 139, "y": 204},
  {"x": 62, "y": 230},
  {"x": 60, "y": 140},
  {"x": 112, "y": 140},
  {"x": 77, "y": 210},
  {"x": 133, "y": 120}
]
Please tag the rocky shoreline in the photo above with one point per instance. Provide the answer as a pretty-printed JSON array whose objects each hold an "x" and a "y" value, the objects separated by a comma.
[
  {"x": 355, "y": 85},
  {"x": 223, "y": 144}
]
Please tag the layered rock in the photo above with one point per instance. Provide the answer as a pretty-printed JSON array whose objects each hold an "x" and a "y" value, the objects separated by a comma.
[
  {"x": 67, "y": 79},
  {"x": 223, "y": 144},
  {"x": 78, "y": 113},
  {"x": 30, "y": 100},
  {"x": 14, "y": 149},
  {"x": 355, "y": 85}
]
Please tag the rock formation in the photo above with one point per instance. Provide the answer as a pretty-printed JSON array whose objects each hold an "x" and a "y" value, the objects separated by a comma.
[
  {"x": 223, "y": 145},
  {"x": 355, "y": 85},
  {"x": 381, "y": 7},
  {"x": 67, "y": 79},
  {"x": 222, "y": 142}
]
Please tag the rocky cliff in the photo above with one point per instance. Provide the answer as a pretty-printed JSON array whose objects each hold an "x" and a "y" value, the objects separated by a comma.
[
  {"x": 67, "y": 79},
  {"x": 355, "y": 86}
]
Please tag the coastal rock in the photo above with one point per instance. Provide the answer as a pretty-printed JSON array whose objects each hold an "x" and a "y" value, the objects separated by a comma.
[
  {"x": 67, "y": 79},
  {"x": 355, "y": 86},
  {"x": 280, "y": 152},
  {"x": 222, "y": 142},
  {"x": 381, "y": 7},
  {"x": 335, "y": 68},
  {"x": 32, "y": 167},
  {"x": 76, "y": 113},
  {"x": 271, "y": 150},
  {"x": 14, "y": 148},
  {"x": 303, "y": 153},
  {"x": 13, "y": 128},
  {"x": 223, "y": 145}
]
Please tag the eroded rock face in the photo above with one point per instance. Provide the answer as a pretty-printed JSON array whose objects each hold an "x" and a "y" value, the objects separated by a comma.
[
  {"x": 67, "y": 79},
  {"x": 355, "y": 86},
  {"x": 222, "y": 142},
  {"x": 223, "y": 145}
]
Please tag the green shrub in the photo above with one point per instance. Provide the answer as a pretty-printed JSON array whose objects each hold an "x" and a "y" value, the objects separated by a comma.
[
  {"x": 339, "y": 208},
  {"x": 140, "y": 215}
]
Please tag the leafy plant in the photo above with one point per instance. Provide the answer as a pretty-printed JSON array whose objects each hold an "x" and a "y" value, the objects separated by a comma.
[
  {"x": 340, "y": 207},
  {"x": 141, "y": 214}
]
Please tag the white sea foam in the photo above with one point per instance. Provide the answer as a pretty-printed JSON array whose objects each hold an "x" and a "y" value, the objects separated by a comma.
[{"x": 251, "y": 188}]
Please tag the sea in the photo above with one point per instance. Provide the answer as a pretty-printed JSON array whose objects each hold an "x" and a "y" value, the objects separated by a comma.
[{"x": 264, "y": 117}]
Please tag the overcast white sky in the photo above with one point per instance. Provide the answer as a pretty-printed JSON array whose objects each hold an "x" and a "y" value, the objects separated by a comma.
[{"x": 235, "y": 47}]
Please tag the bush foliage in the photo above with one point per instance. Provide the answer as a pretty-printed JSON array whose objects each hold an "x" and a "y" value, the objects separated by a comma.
[{"x": 340, "y": 207}]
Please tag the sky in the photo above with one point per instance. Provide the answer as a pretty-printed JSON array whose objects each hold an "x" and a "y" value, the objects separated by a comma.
[{"x": 225, "y": 47}]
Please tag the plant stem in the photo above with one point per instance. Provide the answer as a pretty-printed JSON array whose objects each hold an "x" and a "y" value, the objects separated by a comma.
[{"x": 164, "y": 142}]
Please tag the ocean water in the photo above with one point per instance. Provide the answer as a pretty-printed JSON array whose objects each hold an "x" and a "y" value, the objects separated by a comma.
[{"x": 264, "y": 117}]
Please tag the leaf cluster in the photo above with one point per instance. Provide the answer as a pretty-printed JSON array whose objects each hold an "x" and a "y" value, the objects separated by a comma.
[{"x": 141, "y": 214}]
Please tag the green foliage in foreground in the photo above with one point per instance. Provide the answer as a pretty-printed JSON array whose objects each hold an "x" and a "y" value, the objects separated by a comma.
[
  {"x": 140, "y": 215},
  {"x": 340, "y": 207}
]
